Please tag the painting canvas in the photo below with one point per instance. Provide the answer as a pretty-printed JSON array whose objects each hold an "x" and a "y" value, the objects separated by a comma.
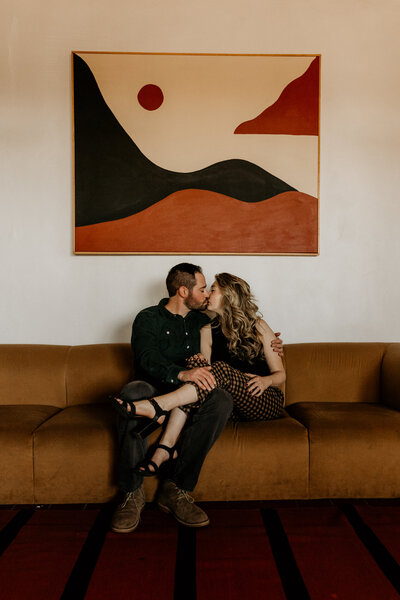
[{"x": 195, "y": 153}]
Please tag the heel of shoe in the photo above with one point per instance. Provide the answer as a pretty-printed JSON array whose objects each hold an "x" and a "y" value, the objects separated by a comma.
[{"x": 146, "y": 429}]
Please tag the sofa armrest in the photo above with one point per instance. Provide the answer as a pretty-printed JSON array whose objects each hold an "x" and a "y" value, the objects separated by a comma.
[{"x": 390, "y": 383}]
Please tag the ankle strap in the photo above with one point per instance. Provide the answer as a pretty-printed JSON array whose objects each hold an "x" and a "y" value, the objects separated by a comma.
[{"x": 158, "y": 410}]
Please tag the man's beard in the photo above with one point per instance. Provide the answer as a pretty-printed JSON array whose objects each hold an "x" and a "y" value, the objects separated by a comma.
[{"x": 191, "y": 305}]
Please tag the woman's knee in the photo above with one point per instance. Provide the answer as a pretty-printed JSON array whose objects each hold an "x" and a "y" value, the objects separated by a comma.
[
  {"x": 136, "y": 390},
  {"x": 220, "y": 365}
]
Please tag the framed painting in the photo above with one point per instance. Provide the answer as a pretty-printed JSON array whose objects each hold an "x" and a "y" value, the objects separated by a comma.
[{"x": 196, "y": 153}]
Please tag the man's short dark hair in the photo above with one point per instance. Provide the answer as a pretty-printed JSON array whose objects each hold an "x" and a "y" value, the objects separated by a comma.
[{"x": 182, "y": 274}]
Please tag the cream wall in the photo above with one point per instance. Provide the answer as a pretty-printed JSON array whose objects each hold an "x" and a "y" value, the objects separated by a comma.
[{"x": 350, "y": 292}]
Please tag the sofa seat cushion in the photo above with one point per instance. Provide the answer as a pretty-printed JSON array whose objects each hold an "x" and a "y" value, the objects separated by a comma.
[
  {"x": 257, "y": 461},
  {"x": 75, "y": 454},
  {"x": 17, "y": 424},
  {"x": 354, "y": 449}
]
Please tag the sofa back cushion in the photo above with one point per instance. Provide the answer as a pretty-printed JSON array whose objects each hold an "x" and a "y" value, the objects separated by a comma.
[
  {"x": 333, "y": 372},
  {"x": 96, "y": 371},
  {"x": 69, "y": 375},
  {"x": 391, "y": 376},
  {"x": 33, "y": 374}
]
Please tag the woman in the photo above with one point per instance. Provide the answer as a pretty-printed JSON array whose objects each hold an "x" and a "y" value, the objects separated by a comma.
[{"x": 238, "y": 346}]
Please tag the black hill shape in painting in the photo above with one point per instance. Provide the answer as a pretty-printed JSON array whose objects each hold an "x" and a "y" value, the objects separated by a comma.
[{"x": 113, "y": 179}]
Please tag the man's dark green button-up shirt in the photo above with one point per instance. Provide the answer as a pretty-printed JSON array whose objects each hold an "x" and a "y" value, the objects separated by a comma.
[{"x": 162, "y": 341}]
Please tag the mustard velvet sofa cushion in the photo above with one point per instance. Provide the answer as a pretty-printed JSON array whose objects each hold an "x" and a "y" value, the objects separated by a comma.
[
  {"x": 390, "y": 376},
  {"x": 96, "y": 371},
  {"x": 17, "y": 427},
  {"x": 354, "y": 449},
  {"x": 257, "y": 461},
  {"x": 33, "y": 374},
  {"x": 333, "y": 372},
  {"x": 75, "y": 456}
]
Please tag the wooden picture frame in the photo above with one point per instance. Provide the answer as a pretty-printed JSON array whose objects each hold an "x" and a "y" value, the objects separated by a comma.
[{"x": 196, "y": 153}]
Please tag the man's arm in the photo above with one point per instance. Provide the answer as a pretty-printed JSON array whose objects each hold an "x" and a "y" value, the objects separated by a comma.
[
  {"x": 201, "y": 375},
  {"x": 145, "y": 345}
]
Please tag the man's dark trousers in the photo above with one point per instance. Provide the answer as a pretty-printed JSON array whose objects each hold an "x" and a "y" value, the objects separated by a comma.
[{"x": 198, "y": 436}]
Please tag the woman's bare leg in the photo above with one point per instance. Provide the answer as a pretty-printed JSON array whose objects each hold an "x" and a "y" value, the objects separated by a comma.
[
  {"x": 176, "y": 421},
  {"x": 187, "y": 394}
]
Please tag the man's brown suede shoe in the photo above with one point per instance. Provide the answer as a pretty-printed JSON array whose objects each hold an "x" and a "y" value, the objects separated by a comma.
[
  {"x": 127, "y": 515},
  {"x": 173, "y": 500}
]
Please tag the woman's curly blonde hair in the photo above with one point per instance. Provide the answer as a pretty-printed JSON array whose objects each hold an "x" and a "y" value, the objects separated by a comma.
[{"x": 239, "y": 317}]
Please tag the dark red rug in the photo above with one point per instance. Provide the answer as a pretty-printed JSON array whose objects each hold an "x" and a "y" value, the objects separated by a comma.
[
  {"x": 250, "y": 551},
  {"x": 140, "y": 565},
  {"x": 234, "y": 558},
  {"x": 386, "y": 525},
  {"x": 333, "y": 561}
]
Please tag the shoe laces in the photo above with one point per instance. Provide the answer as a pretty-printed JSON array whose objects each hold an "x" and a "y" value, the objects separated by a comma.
[
  {"x": 130, "y": 496},
  {"x": 185, "y": 495}
]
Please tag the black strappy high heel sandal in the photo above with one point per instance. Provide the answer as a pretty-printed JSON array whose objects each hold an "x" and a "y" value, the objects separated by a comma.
[
  {"x": 122, "y": 409},
  {"x": 151, "y": 423},
  {"x": 143, "y": 468}
]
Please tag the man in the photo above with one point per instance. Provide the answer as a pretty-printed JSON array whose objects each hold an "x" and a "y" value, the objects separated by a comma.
[{"x": 163, "y": 337}]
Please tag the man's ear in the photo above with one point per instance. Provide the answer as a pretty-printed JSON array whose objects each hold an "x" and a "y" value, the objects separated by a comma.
[{"x": 183, "y": 291}]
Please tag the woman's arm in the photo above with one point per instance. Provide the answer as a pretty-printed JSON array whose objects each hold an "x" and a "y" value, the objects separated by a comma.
[
  {"x": 258, "y": 384},
  {"x": 206, "y": 342},
  {"x": 201, "y": 375},
  {"x": 274, "y": 361}
]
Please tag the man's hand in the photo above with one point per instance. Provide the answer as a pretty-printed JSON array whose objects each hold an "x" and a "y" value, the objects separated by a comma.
[
  {"x": 277, "y": 344},
  {"x": 200, "y": 375}
]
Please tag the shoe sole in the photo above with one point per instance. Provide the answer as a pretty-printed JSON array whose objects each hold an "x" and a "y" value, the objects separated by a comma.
[
  {"x": 126, "y": 529},
  {"x": 129, "y": 530},
  {"x": 165, "y": 509}
]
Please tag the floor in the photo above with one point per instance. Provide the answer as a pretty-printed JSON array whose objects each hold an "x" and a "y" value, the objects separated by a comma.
[{"x": 296, "y": 550}]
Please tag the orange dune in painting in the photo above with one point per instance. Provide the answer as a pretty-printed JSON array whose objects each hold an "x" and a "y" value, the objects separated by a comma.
[{"x": 200, "y": 221}]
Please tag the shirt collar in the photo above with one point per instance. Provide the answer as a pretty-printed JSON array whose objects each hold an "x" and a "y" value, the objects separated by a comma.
[{"x": 165, "y": 312}]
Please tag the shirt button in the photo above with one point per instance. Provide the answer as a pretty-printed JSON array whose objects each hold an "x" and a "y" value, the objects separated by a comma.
[
  {"x": 188, "y": 347},
  {"x": 186, "y": 333},
  {"x": 172, "y": 381},
  {"x": 167, "y": 332}
]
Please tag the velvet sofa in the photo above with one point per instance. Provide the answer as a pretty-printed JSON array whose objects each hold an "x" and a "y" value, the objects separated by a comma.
[{"x": 339, "y": 436}]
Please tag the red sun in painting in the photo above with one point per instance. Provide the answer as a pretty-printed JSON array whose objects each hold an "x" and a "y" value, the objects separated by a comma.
[{"x": 150, "y": 96}]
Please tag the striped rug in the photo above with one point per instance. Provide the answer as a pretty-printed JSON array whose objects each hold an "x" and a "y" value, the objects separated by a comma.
[{"x": 250, "y": 551}]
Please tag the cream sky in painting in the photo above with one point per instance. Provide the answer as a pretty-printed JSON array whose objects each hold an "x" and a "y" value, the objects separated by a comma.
[{"x": 205, "y": 99}]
